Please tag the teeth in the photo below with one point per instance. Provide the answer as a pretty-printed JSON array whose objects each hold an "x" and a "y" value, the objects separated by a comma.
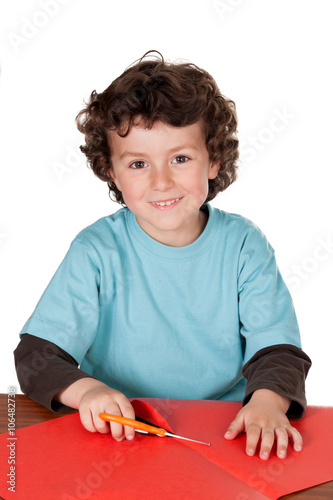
[{"x": 166, "y": 203}]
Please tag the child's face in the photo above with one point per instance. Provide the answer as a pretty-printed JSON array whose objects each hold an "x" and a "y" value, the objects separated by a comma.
[{"x": 163, "y": 176}]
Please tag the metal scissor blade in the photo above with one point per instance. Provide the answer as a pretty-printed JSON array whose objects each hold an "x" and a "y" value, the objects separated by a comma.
[
  {"x": 187, "y": 439},
  {"x": 139, "y": 419}
]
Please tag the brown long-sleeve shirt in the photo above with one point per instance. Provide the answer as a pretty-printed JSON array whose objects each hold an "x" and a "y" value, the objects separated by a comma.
[{"x": 44, "y": 369}]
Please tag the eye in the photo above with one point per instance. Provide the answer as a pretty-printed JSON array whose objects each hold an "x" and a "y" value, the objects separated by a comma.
[
  {"x": 180, "y": 159},
  {"x": 138, "y": 164}
]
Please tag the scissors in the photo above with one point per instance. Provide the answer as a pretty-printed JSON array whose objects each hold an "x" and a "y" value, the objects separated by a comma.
[{"x": 143, "y": 426}]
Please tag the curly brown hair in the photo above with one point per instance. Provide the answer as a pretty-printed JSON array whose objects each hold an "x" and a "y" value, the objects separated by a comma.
[{"x": 175, "y": 94}]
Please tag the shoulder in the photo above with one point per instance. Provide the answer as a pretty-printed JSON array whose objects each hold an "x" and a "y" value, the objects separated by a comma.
[
  {"x": 108, "y": 225},
  {"x": 235, "y": 224},
  {"x": 240, "y": 239},
  {"x": 102, "y": 236}
]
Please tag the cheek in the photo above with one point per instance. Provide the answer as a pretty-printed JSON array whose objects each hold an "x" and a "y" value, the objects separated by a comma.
[
  {"x": 203, "y": 187},
  {"x": 130, "y": 191},
  {"x": 121, "y": 182},
  {"x": 199, "y": 183}
]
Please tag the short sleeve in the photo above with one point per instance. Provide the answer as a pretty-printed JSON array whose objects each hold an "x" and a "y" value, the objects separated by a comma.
[
  {"x": 266, "y": 312},
  {"x": 67, "y": 314}
]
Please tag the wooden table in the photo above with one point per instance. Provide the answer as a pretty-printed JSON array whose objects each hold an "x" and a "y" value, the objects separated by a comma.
[{"x": 27, "y": 412}]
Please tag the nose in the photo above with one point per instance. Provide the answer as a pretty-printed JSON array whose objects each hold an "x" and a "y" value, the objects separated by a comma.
[{"x": 161, "y": 179}]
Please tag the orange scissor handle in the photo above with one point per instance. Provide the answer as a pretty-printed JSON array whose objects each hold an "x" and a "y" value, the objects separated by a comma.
[{"x": 133, "y": 423}]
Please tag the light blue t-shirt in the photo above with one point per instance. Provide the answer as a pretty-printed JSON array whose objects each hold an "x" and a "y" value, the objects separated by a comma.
[{"x": 152, "y": 320}]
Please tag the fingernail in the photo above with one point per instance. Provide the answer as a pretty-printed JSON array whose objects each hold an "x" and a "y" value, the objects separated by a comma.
[
  {"x": 250, "y": 452},
  {"x": 118, "y": 439},
  {"x": 264, "y": 455},
  {"x": 282, "y": 454},
  {"x": 298, "y": 448},
  {"x": 130, "y": 437}
]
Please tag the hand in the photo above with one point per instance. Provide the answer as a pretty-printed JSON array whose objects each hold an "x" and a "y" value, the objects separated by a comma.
[
  {"x": 92, "y": 397},
  {"x": 263, "y": 417}
]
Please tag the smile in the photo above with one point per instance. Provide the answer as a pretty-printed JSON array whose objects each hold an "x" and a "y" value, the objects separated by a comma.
[{"x": 165, "y": 203}]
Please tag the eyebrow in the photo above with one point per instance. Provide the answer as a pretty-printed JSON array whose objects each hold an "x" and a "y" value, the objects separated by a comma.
[{"x": 170, "y": 151}]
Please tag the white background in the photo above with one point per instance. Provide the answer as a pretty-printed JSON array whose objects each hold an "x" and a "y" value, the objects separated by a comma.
[{"x": 273, "y": 58}]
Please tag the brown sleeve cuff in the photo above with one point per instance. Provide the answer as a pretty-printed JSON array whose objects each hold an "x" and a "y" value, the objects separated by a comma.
[
  {"x": 44, "y": 369},
  {"x": 283, "y": 369}
]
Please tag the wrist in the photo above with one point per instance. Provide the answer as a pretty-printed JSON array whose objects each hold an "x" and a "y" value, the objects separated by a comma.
[
  {"x": 270, "y": 397},
  {"x": 72, "y": 395}
]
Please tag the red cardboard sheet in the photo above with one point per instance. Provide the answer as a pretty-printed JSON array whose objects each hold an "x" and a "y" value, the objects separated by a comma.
[{"x": 60, "y": 460}]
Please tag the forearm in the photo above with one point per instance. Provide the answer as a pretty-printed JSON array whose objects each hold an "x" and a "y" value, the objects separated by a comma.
[
  {"x": 283, "y": 369},
  {"x": 43, "y": 370}
]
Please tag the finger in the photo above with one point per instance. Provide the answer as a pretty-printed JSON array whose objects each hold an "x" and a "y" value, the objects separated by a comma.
[
  {"x": 87, "y": 420},
  {"x": 123, "y": 409},
  {"x": 296, "y": 437},
  {"x": 128, "y": 412},
  {"x": 267, "y": 441},
  {"x": 117, "y": 430},
  {"x": 282, "y": 439},
  {"x": 104, "y": 427},
  {"x": 100, "y": 425},
  {"x": 252, "y": 437},
  {"x": 235, "y": 428}
]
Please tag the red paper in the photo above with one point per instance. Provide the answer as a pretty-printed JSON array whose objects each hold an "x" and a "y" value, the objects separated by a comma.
[{"x": 60, "y": 460}]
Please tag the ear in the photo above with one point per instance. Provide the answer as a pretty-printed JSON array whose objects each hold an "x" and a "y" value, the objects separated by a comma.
[
  {"x": 113, "y": 177},
  {"x": 214, "y": 170}
]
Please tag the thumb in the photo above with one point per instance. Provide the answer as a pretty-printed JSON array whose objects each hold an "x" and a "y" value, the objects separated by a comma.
[{"x": 235, "y": 428}]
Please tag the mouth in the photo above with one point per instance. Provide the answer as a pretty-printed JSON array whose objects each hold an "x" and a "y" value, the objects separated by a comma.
[{"x": 166, "y": 203}]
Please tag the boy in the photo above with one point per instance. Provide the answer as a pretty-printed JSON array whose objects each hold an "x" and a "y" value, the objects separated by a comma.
[{"x": 168, "y": 297}]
